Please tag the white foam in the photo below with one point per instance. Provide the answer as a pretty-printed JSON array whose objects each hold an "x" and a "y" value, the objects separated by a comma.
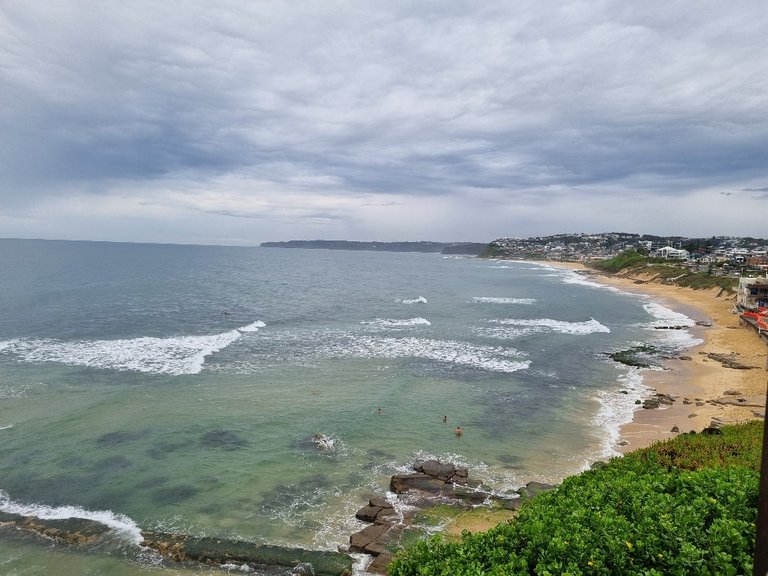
[
  {"x": 419, "y": 300},
  {"x": 253, "y": 327},
  {"x": 176, "y": 355},
  {"x": 591, "y": 326},
  {"x": 392, "y": 323},
  {"x": 574, "y": 277},
  {"x": 667, "y": 317},
  {"x": 6, "y": 427},
  {"x": 507, "y": 332},
  {"x": 617, "y": 407},
  {"x": 492, "y": 300},
  {"x": 122, "y": 525},
  {"x": 237, "y": 567},
  {"x": 494, "y": 359}
]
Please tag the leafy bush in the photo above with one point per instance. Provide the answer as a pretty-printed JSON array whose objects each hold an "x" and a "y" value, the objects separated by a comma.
[
  {"x": 637, "y": 515},
  {"x": 735, "y": 446}
]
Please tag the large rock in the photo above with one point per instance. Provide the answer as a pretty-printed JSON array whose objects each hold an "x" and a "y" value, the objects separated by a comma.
[
  {"x": 368, "y": 513},
  {"x": 72, "y": 531},
  {"x": 365, "y": 537},
  {"x": 534, "y": 488},
  {"x": 729, "y": 361},
  {"x": 446, "y": 472},
  {"x": 378, "y": 511},
  {"x": 380, "y": 564},
  {"x": 401, "y": 483},
  {"x": 217, "y": 551}
]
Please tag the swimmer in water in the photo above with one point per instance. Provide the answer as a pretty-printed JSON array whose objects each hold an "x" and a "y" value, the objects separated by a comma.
[{"x": 458, "y": 431}]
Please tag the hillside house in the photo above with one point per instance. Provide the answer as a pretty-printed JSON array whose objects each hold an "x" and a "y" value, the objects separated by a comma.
[{"x": 670, "y": 253}]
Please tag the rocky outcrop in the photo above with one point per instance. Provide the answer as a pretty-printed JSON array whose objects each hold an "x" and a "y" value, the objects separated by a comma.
[
  {"x": 432, "y": 477},
  {"x": 70, "y": 531},
  {"x": 378, "y": 511},
  {"x": 431, "y": 482},
  {"x": 181, "y": 548},
  {"x": 728, "y": 360},
  {"x": 79, "y": 532},
  {"x": 658, "y": 400},
  {"x": 382, "y": 537}
]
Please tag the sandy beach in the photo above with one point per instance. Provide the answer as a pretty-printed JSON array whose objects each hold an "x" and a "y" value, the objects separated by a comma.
[{"x": 705, "y": 390}]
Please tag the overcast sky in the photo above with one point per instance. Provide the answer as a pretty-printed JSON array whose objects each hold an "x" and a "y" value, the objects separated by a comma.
[{"x": 237, "y": 122}]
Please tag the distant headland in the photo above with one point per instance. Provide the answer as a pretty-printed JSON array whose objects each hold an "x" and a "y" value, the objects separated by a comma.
[{"x": 464, "y": 248}]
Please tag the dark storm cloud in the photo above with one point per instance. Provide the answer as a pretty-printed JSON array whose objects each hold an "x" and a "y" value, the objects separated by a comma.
[{"x": 355, "y": 113}]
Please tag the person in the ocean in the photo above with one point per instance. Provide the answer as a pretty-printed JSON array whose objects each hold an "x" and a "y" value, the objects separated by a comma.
[
  {"x": 445, "y": 419},
  {"x": 458, "y": 431}
]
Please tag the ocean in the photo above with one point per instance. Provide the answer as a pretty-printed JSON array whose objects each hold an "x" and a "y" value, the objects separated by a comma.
[{"x": 177, "y": 388}]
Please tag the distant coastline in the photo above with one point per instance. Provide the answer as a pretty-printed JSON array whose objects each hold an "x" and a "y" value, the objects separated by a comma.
[{"x": 464, "y": 248}]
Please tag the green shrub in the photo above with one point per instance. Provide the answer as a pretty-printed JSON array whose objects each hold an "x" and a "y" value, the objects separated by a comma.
[
  {"x": 735, "y": 446},
  {"x": 641, "y": 514},
  {"x": 627, "y": 259}
]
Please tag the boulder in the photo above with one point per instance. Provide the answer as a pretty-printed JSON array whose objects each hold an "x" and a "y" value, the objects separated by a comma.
[
  {"x": 71, "y": 531},
  {"x": 380, "y": 502},
  {"x": 380, "y": 564},
  {"x": 401, "y": 483},
  {"x": 650, "y": 403},
  {"x": 365, "y": 537},
  {"x": 534, "y": 488},
  {"x": 387, "y": 516}
]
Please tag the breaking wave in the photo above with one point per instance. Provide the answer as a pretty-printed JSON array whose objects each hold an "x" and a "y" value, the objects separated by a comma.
[
  {"x": 666, "y": 317},
  {"x": 491, "y": 300},
  {"x": 121, "y": 524},
  {"x": 390, "y": 323},
  {"x": 591, "y": 326},
  {"x": 419, "y": 300},
  {"x": 494, "y": 359},
  {"x": 175, "y": 355}
]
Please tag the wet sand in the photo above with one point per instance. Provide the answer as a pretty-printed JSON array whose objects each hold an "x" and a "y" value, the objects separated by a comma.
[{"x": 706, "y": 391}]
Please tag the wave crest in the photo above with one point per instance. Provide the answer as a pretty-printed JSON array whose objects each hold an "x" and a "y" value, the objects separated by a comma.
[
  {"x": 122, "y": 525},
  {"x": 492, "y": 300},
  {"x": 174, "y": 356},
  {"x": 494, "y": 359},
  {"x": 419, "y": 300},
  {"x": 590, "y": 326}
]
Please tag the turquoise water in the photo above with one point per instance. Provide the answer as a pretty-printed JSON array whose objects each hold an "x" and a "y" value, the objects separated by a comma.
[{"x": 178, "y": 387}]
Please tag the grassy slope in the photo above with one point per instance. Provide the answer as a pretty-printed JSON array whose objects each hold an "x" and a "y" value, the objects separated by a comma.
[{"x": 634, "y": 264}]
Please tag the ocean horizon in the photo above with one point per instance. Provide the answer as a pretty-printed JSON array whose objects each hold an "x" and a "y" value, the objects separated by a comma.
[{"x": 179, "y": 387}]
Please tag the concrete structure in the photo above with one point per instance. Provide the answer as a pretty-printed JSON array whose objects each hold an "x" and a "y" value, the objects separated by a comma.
[{"x": 753, "y": 293}]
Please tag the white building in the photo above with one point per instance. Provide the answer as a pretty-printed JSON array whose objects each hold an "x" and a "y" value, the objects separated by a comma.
[{"x": 670, "y": 253}]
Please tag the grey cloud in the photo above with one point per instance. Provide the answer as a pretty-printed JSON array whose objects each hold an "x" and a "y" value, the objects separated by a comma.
[{"x": 413, "y": 101}]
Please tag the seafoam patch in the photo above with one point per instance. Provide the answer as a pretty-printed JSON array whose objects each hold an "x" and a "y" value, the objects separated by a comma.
[
  {"x": 396, "y": 324},
  {"x": 590, "y": 326},
  {"x": 174, "y": 355},
  {"x": 495, "y": 359},
  {"x": 497, "y": 300}
]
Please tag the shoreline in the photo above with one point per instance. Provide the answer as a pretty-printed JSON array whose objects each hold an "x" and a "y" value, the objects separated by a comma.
[{"x": 707, "y": 392}]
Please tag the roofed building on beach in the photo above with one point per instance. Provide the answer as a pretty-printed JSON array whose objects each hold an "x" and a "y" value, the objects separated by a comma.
[{"x": 753, "y": 293}]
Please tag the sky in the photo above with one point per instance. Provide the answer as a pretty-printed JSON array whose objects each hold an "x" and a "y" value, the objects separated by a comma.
[{"x": 238, "y": 122}]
